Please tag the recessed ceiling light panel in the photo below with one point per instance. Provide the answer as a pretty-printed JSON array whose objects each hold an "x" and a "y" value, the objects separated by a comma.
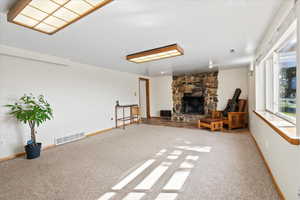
[
  {"x": 78, "y": 6},
  {"x": 60, "y": 2},
  {"x": 156, "y": 54},
  {"x": 50, "y": 16}
]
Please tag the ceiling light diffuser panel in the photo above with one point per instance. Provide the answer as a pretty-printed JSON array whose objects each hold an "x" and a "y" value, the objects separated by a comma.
[
  {"x": 50, "y": 16},
  {"x": 156, "y": 54}
]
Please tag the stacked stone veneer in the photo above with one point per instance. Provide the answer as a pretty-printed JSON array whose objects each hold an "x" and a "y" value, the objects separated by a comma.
[{"x": 200, "y": 84}]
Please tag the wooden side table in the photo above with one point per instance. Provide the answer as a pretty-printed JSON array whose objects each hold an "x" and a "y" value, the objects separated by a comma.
[
  {"x": 134, "y": 114},
  {"x": 212, "y": 124}
]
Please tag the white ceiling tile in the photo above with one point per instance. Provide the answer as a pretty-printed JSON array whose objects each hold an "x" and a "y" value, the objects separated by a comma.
[
  {"x": 44, "y": 5},
  {"x": 78, "y": 6},
  {"x": 46, "y": 28},
  {"x": 25, "y": 20},
  {"x": 65, "y": 14},
  {"x": 60, "y": 2},
  {"x": 54, "y": 21},
  {"x": 34, "y": 13},
  {"x": 95, "y": 2}
]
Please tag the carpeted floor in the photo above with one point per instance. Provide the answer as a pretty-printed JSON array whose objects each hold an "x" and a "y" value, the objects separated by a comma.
[{"x": 143, "y": 162}]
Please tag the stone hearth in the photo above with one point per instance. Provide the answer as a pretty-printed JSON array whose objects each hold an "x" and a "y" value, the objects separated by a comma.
[{"x": 196, "y": 85}]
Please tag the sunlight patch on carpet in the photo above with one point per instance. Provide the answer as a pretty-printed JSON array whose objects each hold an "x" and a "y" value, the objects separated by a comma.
[
  {"x": 153, "y": 177},
  {"x": 200, "y": 149},
  {"x": 194, "y": 158},
  {"x": 177, "y": 180},
  {"x": 107, "y": 196},
  {"x": 172, "y": 157},
  {"x": 166, "y": 196},
  {"x": 134, "y": 196},
  {"x": 133, "y": 175}
]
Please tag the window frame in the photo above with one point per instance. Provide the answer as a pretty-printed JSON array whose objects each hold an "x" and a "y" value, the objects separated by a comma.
[
  {"x": 271, "y": 76},
  {"x": 268, "y": 84}
]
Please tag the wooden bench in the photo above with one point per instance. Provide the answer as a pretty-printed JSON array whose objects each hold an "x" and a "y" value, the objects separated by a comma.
[{"x": 212, "y": 124}]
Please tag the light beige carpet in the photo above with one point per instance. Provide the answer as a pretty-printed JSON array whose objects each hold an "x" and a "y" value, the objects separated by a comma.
[{"x": 143, "y": 162}]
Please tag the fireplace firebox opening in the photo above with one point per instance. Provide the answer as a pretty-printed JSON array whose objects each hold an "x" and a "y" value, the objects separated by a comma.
[{"x": 193, "y": 105}]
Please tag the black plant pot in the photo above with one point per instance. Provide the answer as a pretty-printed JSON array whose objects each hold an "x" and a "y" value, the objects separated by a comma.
[{"x": 33, "y": 150}]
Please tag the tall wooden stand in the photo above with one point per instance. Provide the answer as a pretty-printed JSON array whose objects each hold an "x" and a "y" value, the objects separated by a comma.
[{"x": 134, "y": 114}]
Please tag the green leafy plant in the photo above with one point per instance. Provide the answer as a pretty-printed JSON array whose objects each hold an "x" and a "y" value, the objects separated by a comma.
[{"x": 32, "y": 111}]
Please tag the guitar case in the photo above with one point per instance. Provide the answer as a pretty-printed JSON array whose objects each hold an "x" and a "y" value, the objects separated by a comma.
[{"x": 232, "y": 106}]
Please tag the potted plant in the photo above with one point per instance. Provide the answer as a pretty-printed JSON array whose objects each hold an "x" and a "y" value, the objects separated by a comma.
[{"x": 32, "y": 111}]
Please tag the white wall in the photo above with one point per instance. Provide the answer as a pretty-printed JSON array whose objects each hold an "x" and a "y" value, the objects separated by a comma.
[
  {"x": 83, "y": 98},
  {"x": 228, "y": 81},
  {"x": 161, "y": 97},
  {"x": 281, "y": 156}
]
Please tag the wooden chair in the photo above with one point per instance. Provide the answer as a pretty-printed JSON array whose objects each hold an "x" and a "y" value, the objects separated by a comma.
[{"x": 235, "y": 119}]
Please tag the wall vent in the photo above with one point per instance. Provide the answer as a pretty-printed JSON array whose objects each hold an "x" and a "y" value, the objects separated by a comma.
[{"x": 69, "y": 138}]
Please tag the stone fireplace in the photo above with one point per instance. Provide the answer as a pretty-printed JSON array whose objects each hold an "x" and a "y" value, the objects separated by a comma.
[
  {"x": 194, "y": 95},
  {"x": 193, "y": 104}
]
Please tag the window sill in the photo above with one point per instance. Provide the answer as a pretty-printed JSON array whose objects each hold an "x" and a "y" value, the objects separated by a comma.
[{"x": 284, "y": 128}]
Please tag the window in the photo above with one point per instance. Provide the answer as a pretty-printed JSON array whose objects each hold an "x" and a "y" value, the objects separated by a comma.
[
  {"x": 287, "y": 79},
  {"x": 281, "y": 80},
  {"x": 269, "y": 85}
]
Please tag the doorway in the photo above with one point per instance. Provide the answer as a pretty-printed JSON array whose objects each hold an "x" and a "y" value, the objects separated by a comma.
[{"x": 144, "y": 99}]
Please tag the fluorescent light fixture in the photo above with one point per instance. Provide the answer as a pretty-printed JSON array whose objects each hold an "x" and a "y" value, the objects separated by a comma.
[
  {"x": 50, "y": 16},
  {"x": 156, "y": 54}
]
